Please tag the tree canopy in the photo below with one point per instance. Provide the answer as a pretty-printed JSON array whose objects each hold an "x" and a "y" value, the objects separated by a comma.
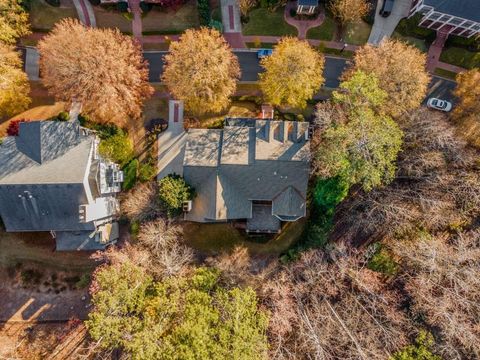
[
  {"x": 348, "y": 11},
  {"x": 118, "y": 148},
  {"x": 362, "y": 146},
  {"x": 189, "y": 317},
  {"x": 173, "y": 191},
  {"x": 293, "y": 73},
  {"x": 13, "y": 21},
  {"x": 400, "y": 70},
  {"x": 101, "y": 68},
  {"x": 467, "y": 111},
  {"x": 14, "y": 85},
  {"x": 202, "y": 70}
]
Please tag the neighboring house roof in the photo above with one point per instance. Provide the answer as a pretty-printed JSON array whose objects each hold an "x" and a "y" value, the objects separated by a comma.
[
  {"x": 467, "y": 9},
  {"x": 307, "y": 2},
  {"x": 248, "y": 160},
  {"x": 43, "y": 172},
  {"x": 42, "y": 153}
]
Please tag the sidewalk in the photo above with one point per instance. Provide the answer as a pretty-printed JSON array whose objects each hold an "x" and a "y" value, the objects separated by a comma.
[
  {"x": 137, "y": 26},
  {"x": 232, "y": 25}
]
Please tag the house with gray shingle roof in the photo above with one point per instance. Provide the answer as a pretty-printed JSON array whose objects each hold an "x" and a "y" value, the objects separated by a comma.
[
  {"x": 255, "y": 170},
  {"x": 52, "y": 179}
]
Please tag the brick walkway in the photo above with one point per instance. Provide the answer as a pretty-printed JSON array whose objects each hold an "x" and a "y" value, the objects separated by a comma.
[
  {"x": 435, "y": 50},
  {"x": 302, "y": 25}
]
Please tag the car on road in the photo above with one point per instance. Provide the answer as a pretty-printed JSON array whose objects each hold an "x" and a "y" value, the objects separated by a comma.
[
  {"x": 387, "y": 8},
  {"x": 264, "y": 53},
  {"x": 438, "y": 104}
]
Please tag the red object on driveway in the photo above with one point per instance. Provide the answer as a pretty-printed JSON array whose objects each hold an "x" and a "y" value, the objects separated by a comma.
[{"x": 230, "y": 17}]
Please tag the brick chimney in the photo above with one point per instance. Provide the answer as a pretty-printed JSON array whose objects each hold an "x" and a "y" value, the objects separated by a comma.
[{"x": 267, "y": 111}]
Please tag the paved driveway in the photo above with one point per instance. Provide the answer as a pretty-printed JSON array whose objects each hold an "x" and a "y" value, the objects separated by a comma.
[{"x": 384, "y": 27}]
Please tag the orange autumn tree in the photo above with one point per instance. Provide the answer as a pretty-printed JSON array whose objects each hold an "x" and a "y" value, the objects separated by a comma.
[
  {"x": 202, "y": 70},
  {"x": 349, "y": 11},
  {"x": 400, "y": 70},
  {"x": 101, "y": 68},
  {"x": 14, "y": 85},
  {"x": 467, "y": 111}
]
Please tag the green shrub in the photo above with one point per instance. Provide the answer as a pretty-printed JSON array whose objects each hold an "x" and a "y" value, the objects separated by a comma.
[
  {"x": 55, "y": 3},
  {"x": 204, "y": 12},
  {"x": 130, "y": 174},
  {"x": 31, "y": 276},
  {"x": 217, "y": 25},
  {"x": 327, "y": 194},
  {"x": 382, "y": 261},
  {"x": 409, "y": 27},
  {"x": 63, "y": 116},
  {"x": 421, "y": 350},
  {"x": 104, "y": 131},
  {"x": 173, "y": 191},
  {"x": 117, "y": 148},
  {"x": 134, "y": 229},
  {"x": 122, "y": 6},
  {"x": 83, "y": 282},
  {"x": 147, "y": 171},
  {"x": 471, "y": 44},
  {"x": 145, "y": 7}
]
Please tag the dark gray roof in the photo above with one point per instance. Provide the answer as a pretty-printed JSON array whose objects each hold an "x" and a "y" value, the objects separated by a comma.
[
  {"x": 289, "y": 204},
  {"x": 43, "y": 207},
  {"x": 308, "y": 2},
  {"x": 467, "y": 9},
  {"x": 248, "y": 160},
  {"x": 262, "y": 219}
]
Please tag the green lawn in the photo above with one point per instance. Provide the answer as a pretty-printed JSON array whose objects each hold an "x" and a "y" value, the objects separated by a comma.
[
  {"x": 265, "y": 22},
  {"x": 43, "y": 16},
  {"x": 325, "y": 32},
  {"x": 357, "y": 33},
  {"x": 159, "y": 21},
  {"x": 262, "y": 45},
  {"x": 445, "y": 73},
  {"x": 215, "y": 238},
  {"x": 460, "y": 57},
  {"x": 112, "y": 18},
  {"x": 418, "y": 43}
]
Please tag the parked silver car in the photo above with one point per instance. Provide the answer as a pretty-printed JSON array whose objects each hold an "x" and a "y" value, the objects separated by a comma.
[{"x": 438, "y": 104}]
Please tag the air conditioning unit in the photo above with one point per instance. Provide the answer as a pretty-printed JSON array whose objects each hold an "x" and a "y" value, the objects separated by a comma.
[{"x": 187, "y": 206}]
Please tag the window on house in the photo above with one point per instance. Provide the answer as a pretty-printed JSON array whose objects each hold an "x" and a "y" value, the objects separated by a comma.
[
  {"x": 456, "y": 21},
  {"x": 434, "y": 16},
  {"x": 445, "y": 18}
]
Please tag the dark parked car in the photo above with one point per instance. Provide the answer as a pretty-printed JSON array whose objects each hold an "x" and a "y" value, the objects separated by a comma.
[{"x": 386, "y": 8}]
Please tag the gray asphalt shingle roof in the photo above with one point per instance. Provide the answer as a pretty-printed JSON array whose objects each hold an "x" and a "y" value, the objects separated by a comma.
[
  {"x": 249, "y": 160},
  {"x": 467, "y": 9},
  {"x": 42, "y": 173}
]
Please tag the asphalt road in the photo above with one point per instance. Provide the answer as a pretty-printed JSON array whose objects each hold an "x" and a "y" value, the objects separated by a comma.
[{"x": 250, "y": 67}]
